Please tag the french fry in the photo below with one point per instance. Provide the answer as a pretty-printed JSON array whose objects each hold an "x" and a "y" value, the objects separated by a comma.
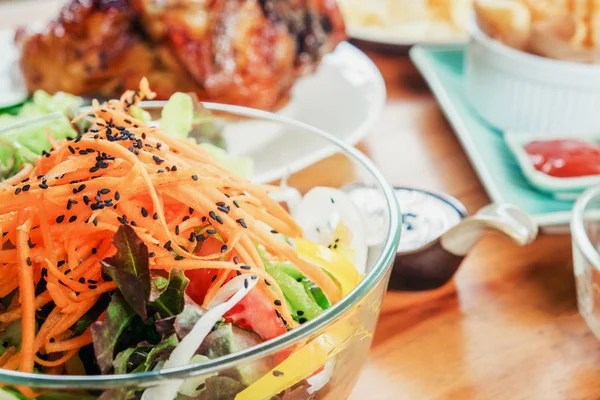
[
  {"x": 508, "y": 21},
  {"x": 560, "y": 29}
]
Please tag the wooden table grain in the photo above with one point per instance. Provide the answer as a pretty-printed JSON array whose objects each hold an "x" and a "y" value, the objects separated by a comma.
[{"x": 507, "y": 327}]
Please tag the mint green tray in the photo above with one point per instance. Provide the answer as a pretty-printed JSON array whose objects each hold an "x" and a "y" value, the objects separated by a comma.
[{"x": 495, "y": 164}]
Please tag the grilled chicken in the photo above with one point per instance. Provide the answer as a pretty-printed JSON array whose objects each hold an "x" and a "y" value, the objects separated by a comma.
[{"x": 246, "y": 52}]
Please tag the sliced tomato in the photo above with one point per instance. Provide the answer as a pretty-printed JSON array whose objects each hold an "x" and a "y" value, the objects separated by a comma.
[
  {"x": 201, "y": 279},
  {"x": 254, "y": 312}
]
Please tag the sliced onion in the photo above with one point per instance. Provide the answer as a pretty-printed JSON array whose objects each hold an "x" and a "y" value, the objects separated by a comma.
[
  {"x": 185, "y": 350},
  {"x": 318, "y": 381},
  {"x": 319, "y": 213}
]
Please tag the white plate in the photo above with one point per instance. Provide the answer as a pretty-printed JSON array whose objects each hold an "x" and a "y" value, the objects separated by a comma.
[
  {"x": 405, "y": 37},
  {"x": 12, "y": 87},
  {"x": 344, "y": 97}
]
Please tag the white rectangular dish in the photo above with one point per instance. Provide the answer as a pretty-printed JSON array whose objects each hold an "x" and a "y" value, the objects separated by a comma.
[{"x": 559, "y": 188}]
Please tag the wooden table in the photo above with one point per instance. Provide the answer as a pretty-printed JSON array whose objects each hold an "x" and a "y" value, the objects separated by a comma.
[{"x": 508, "y": 326}]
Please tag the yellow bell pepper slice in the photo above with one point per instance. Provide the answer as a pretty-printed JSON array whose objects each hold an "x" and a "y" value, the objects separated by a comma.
[
  {"x": 337, "y": 265},
  {"x": 302, "y": 363}
]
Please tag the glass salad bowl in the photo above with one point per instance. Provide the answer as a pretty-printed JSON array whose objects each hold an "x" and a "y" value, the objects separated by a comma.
[
  {"x": 322, "y": 358},
  {"x": 585, "y": 229}
]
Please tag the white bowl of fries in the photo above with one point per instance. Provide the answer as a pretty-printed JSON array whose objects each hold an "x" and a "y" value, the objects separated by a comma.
[{"x": 534, "y": 65}]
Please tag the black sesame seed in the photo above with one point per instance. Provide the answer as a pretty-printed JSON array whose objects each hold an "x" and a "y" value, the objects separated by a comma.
[
  {"x": 246, "y": 267},
  {"x": 238, "y": 273},
  {"x": 92, "y": 286},
  {"x": 302, "y": 320},
  {"x": 26, "y": 187},
  {"x": 82, "y": 280},
  {"x": 94, "y": 250},
  {"x": 212, "y": 215},
  {"x": 277, "y": 373},
  {"x": 133, "y": 223},
  {"x": 60, "y": 219},
  {"x": 185, "y": 218},
  {"x": 95, "y": 221},
  {"x": 267, "y": 283},
  {"x": 246, "y": 283},
  {"x": 117, "y": 196},
  {"x": 277, "y": 302},
  {"x": 144, "y": 212},
  {"x": 29, "y": 261},
  {"x": 158, "y": 160},
  {"x": 300, "y": 313},
  {"x": 236, "y": 260},
  {"x": 18, "y": 190},
  {"x": 177, "y": 229},
  {"x": 155, "y": 216},
  {"x": 224, "y": 209},
  {"x": 104, "y": 191},
  {"x": 200, "y": 237},
  {"x": 151, "y": 254},
  {"x": 274, "y": 231},
  {"x": 71, "y": 149},
  {"x": 253, "y": 277},
  {"x": 92, "y": 281},
  {"x": 86, "y": 200},
  {"x": 30, "y": 243},
  {"x": 60, "y": 263},
  {"x": 174, "y": 168},
  {"x": 223, "y": 248},
  {"x": 211, "y": 232},
  {"x": 179, "y": 258},
  {"x": 73, "y": 218},
  {"x": 195, "y": 177},
  {"x": 242, "y": 223},
  {"x": 191, "y": 210},
  {"x": 213, "y": 278},
  {"x": 168, "y": 245},
  {"x": 235, "y": 203},
  {"x": 43, "y": 186}
]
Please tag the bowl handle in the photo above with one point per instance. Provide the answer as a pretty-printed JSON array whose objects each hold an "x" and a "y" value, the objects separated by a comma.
[{"x": 504, "y": 218}]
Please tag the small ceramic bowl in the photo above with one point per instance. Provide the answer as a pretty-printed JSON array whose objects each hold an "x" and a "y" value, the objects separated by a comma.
[{"x": 515, "y": 90}]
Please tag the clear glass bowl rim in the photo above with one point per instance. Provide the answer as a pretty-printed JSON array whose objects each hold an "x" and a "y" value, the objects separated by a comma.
[
  {"x": 580, "y": 237},
  {"x": 384, "y": 261}
]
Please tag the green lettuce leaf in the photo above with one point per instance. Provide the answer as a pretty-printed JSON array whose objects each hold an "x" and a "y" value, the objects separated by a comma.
[
  {"x": 242, "y": 166},
  {"x": 177, "y": 115},
  {"x": 184, "y": 116},
  {"x": 129, "y": 269},
  {"x": 26, "y": 144},
  {"x": 106, "y": 333},
  {"x": 144, "y": 357},
  {"x": 168, "y": 296}
]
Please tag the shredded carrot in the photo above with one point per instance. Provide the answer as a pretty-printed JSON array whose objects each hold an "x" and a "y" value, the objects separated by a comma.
[
  {"x": 59, "y": 216},
  {"x": 26, "y": 297},
  {"x": 58, "y": 361},
  {"x": 70, "y": 344}
]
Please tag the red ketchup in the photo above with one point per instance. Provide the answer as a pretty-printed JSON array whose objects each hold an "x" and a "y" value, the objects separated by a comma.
[{"x": 564, "y": 158}]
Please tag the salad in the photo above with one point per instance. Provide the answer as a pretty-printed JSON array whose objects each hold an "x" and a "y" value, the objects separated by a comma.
[{"x": 129, "y": 247}]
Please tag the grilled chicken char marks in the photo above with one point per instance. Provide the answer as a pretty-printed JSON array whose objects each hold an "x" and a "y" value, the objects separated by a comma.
[{"x": 246, "y": 52}]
